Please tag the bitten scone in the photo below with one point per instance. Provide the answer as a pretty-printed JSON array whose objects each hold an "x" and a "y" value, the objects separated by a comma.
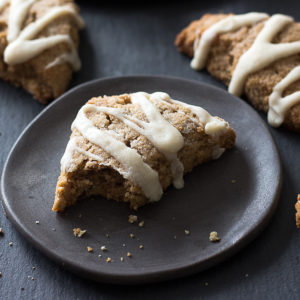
[
  {"x": 131, "y": 147},
  {"x": 254, "y": 54},
  {"x": 38, "y": 45}
]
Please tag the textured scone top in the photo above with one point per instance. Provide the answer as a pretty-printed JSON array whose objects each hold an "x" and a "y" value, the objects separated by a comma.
[
  {"x": 262, "y": 52},
  {"x": 23, "y": 43},
  {"x": 154, "y": 117}
]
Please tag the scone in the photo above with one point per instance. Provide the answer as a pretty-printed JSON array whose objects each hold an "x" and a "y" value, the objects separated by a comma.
[
  {"x": 131, "y": 147},
  {"x": 38, "y": 45},
  {"x": 254, "y": 54}
]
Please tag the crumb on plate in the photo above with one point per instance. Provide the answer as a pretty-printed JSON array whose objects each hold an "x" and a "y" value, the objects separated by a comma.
[
  {"x": 132, "y": 219},
  {"x": 186, "y": 232},
  {"x": 213, "y": 237},
  {"x": 78, "y": 232}
]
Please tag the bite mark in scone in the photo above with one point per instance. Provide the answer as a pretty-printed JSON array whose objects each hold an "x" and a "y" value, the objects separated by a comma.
[
  {"x": 38, "y": 45},
  {"x": 254, "y": 54},
  {"x": 131, "y": 147}
]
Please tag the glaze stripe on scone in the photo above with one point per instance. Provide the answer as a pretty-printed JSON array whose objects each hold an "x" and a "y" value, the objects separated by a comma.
[
  {"x": 38, "y": 42},
  {"x": 252, "y": 53},
  {"x": 132, "y": 147}
]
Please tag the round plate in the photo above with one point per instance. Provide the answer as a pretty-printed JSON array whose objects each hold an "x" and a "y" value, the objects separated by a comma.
[{"x": 235, "y": 195}]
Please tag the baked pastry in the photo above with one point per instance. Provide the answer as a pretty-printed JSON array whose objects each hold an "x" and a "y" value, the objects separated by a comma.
[
  {"x": 38, "y": 45},
  {"x": 297, "y": 206},
  {"x": 254, "y": 54},
  {"x": 131, "y": 147}
]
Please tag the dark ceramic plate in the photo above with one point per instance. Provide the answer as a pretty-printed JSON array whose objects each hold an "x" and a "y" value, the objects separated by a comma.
[{"x": 209, "y": 201}]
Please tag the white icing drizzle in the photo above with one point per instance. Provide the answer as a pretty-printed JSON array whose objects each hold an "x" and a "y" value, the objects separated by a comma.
[
  {"x": 18, "y": 12},
  {"x": 163, "y": 135},
  {"x": 213, "y": 126},
  {"x": 138, "y": 170},
  {"x": 262, "y": 53},
  {"x": 228, "y": 24},
  {"x": 278, "y": 105},
  {"x": 67, "y": 159},
  {"x": 23, "y": 47}
]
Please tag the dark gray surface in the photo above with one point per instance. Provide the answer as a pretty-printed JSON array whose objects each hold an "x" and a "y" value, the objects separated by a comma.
[
  {"x": 243, "y": 212},
  {"x": 122, "y": 39}
]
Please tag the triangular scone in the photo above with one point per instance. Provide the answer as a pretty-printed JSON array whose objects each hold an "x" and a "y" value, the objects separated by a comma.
[
  {"x": 254, "y": 54},
  {"x": 132, "y": 147},
  {"x": 38, "y": 45}
]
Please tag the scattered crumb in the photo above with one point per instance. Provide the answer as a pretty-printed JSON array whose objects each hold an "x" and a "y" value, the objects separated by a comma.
[
  {"x": 213, "y": 237},
  {"x": 10, "y": 243},
  {"x": 129, "y": 254},
  {"x": 0, "y": 274},
  {"x": 107, "y": 235},
  {"x": 186, "y": 232},
  {"x": 32, "y": 278},
  {"x": 123, "y": 245},
  {"x": 141, "y": 247},
  {"x": 1, "y": 231},
  {"x": 78, "y": 232},
  {"x": 53, "y": 229},
  {"x": 233, "y": 181},
  {"x": 141, "y": 224},
  {"x": 131, "y": 235},
  {"x": 246, "y": 275},
  {"x": 89, "y": 249},
  {"x": 103, "y": 248},
  {"x": 37, "y": 222},
  {"x": 33, "y": 268},
  {"x": 121, "y": 258},
  {"x": 99, "y": 255},
  {"x": 108, "y": 260},
  {"x": 206, "y": 283},
  {"x": 132, "y": 219}
]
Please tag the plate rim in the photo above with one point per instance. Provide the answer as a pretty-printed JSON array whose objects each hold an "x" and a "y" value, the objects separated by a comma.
[{"x": 152, "y": 276}]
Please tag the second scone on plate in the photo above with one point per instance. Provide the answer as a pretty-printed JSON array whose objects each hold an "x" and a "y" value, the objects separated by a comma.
[{"x": 131, "y": 147}]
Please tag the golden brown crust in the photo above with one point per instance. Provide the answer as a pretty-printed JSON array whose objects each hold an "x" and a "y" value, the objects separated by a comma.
[
  {"x": 297, "y": 206},
  {"x": 44, "y": 84},
  {"x": 226, "y": 51},
  {"x": 90, "y": 177}
]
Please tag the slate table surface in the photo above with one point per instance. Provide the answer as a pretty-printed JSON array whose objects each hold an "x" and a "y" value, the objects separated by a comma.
[{"x": 137, "y": 38}]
